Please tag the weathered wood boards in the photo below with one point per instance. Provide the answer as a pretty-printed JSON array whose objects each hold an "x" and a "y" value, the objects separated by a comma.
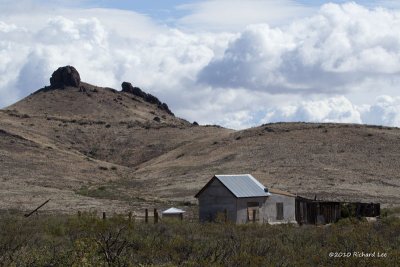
[{"x": 309, "y": 211}]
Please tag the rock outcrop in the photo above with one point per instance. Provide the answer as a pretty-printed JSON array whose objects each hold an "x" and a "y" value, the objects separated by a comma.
[
  {"x": 128, "y": 88},
  {"x": 64, "y": 77}
]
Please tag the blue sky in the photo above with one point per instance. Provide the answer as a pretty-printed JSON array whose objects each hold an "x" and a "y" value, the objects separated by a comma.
[
  {"x": 168, "y": 11},
  {"x": 159, "y": 10},
  {"x": 163, "y": 7},
  {"x": 234, "y": 63}
]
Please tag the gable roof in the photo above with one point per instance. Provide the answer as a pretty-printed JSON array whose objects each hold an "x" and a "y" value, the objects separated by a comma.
[{"x": 240, "y": 185}]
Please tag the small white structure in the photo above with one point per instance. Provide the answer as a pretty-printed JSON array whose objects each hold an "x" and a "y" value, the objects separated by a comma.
[{"x": 173, "y": 213}]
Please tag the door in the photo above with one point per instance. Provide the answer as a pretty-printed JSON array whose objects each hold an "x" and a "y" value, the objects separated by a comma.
[{"x": 253, "y": 211}]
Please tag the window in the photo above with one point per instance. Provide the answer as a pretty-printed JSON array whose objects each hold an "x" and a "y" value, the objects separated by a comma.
[{"x": 279, "y": 211}]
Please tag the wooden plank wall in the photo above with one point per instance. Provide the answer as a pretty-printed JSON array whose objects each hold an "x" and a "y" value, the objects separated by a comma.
[{"x": 310, "y": 211}]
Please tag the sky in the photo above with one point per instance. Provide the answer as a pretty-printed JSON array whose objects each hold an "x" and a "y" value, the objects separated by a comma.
[{"x": 234, "y": 63}]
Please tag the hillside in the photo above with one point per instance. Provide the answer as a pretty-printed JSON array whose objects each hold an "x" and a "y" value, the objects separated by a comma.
[{"x": 89, "y": 147}]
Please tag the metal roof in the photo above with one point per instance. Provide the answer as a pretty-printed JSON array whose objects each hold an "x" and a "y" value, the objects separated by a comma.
[
  {"x": 173, "y": 211},
  {"x": 243, "y": 185}
]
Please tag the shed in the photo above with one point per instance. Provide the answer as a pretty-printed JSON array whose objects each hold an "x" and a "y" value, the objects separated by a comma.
[
  {"x": 173, "y": 213},
  {"x": 312, "y": 211},
  {"x": 241, "y": 198},
  {"x": 309, "y": 211}
]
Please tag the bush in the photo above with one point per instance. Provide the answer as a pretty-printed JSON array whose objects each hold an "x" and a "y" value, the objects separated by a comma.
[{"x": 91, "y": 241}]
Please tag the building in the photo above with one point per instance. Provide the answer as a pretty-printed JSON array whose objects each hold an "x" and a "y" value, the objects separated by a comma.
[
  {"x": 241, "y": 199},
  {"x": 173, "y": 213},
  {"x": 312, "y": 211},
  {"x": 309, "y": 211}
]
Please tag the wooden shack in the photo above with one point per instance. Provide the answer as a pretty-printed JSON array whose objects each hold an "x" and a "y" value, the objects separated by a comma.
[
  {"x": 241, "y": 198},
  {"x": 312, "y": 211}
]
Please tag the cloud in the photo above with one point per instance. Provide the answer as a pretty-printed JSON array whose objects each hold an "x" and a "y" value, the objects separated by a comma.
[
  {"x": 232, "y": 108},
  {"x": 385, "y": 111},
  {"x": 328, "y": 53},
  {"x": 12, "y": 55},
  {"x": 335, "y": 109},
  {"x": 61, "y": 30},
  {"x": 328, "y": 67},
  {"x": 120, "y": 23},
  {"x": 235, "y": 15},
  {"x": 163, "y": 65}
]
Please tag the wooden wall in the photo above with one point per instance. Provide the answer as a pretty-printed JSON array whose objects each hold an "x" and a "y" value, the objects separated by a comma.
[
  {"x": 310, "y": 211},
  {"x": 216, "y": 198}
]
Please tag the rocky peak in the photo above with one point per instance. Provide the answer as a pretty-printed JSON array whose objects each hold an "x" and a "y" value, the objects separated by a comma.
[
  {"x": 65, "y": 76},
  {"x": 128, "y": 88}
]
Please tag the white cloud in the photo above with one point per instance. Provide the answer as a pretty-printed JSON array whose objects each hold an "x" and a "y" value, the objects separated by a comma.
[
  {"x": 61, "y": 30},
  {"x": 119, "y": 23},
  {"x": 13, "y": 54},
  {"x": 385, "y": 111},
  {"x": 330, "y": 52},
  {"x": 232, "y": 108},
  {"x": 164, "y": 64},
  {"x": 235, "y": 15},
  {"x": 336, "y": 109},
  {"x": 341, "y": 58}
]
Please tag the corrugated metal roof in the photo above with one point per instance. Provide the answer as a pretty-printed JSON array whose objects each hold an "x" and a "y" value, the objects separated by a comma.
[{"x": 243, "y": 185}]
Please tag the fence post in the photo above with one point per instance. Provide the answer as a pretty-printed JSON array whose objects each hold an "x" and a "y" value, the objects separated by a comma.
[
  {"x": 254, "y": 216},
  {"x": 146, "y": 216},
  {"x": 104, "y": 215},
  {"x": 130, "y": 216},
  {"x": 155, "y": 216},
  {"x": 36, "y": 210}
]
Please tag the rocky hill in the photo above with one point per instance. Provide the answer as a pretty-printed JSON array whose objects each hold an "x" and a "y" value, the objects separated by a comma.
[{"x": 89, "y": 147}]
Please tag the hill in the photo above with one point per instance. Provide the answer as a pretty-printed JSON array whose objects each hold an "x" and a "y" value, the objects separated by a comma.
[{"x": 89, "y": 147}]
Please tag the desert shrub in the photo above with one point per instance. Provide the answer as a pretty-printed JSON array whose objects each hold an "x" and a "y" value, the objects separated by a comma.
[{"x": 88, "y": 240}]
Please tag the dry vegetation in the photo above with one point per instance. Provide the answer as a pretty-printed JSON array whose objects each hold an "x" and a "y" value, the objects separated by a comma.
[
  {"x": 108, "y": 150},
  {"x": 90, "y": 241}
]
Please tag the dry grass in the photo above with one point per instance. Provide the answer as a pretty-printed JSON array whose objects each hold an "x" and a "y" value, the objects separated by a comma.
[{"x": 55, "y": 144}]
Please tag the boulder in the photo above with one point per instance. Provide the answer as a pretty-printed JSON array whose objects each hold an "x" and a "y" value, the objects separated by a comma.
[
  {"x": 165, "y": 107},
  {"x": 152, "y": 99},
  {"x": 128, "y": 88},
  {"x": 65, "y": 76},
  {"x": 149, "y": 98}
]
